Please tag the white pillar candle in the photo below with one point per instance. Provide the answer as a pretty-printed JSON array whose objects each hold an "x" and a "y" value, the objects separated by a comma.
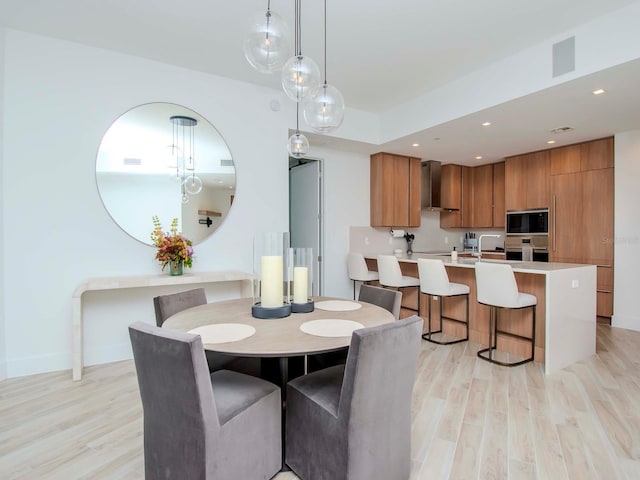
[
  {"x": 300, "y": 285},
  {"x": 271, "y": 280}
]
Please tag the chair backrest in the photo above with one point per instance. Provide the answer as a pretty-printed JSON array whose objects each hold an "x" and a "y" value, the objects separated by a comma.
[
  {"x": 357, "y": 267},
  {"x": 179, "y": 411},
  {"x": 390, "y": 300},
  {"x": 167, "y": 305},
  {"x": 434, "y": 279},
  {"x": 496, "y": 284},
  {"x": 375, "y": 401},
  {"x": 389, "y": 271}
]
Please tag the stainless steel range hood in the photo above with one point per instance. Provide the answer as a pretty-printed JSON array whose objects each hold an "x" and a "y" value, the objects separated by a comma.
[{"x": 431, "y": 185}]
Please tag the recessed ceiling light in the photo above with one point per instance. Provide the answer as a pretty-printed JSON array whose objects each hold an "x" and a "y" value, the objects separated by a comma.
[
  {"x": 598, "y": 91},
  {"x": 479, "y": 157},
  {"x": 415, "y": 144},
  {"x": 486, "y": 124},
  {"x": 551, "y": 142}
]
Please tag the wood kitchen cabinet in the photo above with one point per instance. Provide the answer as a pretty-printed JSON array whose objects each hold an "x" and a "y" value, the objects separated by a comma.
[
  {"x": 482, "y": 197},
  {"x": 499, "y": 215},
  {"x": 487, "y": 206},
  {"x": 527, "y": 181},
  {"x": 455, "y": 196},
  {"x": 395, "y": 190},
  {"x": 475, "y": 196},
  {"x": 582, "y": 211}
]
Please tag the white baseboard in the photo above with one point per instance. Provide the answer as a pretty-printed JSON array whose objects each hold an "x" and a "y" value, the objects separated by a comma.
[
  {"x": 20, "y": 367},
  {"x": 628, "y": 322}
]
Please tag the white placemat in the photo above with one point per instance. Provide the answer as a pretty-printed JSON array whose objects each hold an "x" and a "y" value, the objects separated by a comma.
[
  {"x": 337, "y": 305},
  {"x": 224, "y": 332},
  {"x": 330, "y": 327}
]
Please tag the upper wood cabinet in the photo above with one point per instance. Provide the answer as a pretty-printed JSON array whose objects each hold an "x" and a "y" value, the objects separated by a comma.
[
  {"x": 472, "y": 197},
  {"x": 499, "y": 215},
  {"x": 582, "y": 157},
  {"x": 527, "y": 181},
  {"x": 482, "y": 196},
  {"x": 455, "y": 196},
  {"x": 451, "y": 187},
  {"x": 395, "y": 190}
]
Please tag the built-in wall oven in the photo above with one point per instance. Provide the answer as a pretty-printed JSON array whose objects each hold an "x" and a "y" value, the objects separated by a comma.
[{"x": 527, "y": 235}]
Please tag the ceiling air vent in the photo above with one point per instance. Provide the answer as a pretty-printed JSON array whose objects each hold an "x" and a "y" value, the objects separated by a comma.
[
  {"x": 562, "y": 129},
  {"x": 132, "y": 161},
  {"x": 226, "y": 162}
]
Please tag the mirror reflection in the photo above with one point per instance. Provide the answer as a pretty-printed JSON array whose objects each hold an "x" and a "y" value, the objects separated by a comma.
[{"x": 166, "y": 160}]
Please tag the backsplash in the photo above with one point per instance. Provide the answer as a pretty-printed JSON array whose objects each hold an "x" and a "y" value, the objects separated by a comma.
[{"x": 428, "y": 238}]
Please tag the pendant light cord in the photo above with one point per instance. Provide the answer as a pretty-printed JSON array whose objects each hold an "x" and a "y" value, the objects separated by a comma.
[{"x": 325, "y": 42}]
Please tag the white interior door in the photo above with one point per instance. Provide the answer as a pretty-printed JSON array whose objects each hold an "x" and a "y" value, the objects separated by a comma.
[{"x": 305, "y": 213}]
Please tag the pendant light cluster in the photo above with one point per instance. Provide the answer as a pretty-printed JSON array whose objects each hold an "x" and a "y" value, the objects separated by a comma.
[
  {"x": 182, "y": 151},
  {"x": 322, "y": 104}
]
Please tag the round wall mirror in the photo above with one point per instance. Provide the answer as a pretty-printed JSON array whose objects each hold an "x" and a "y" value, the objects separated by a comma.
[{"x": 161, "y": 159}]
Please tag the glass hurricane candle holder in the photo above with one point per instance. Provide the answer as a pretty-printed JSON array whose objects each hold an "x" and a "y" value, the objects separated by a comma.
[
  {"x": 302, "y": 275},
  {"x": 271, "y": 259}
]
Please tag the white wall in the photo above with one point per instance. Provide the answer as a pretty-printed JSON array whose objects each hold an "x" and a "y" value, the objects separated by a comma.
[
  {"x": 346, "y": 203},
  {"x": 627, "y": 231},
  {"x": 59, "y": 99},
  {"x": 3, "y": 336}
]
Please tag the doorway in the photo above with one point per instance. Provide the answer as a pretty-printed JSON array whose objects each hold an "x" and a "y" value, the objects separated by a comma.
[{"x": 306, "y": 222}]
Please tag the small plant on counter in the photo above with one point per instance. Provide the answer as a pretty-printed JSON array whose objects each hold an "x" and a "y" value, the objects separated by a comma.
[{"x": 172, "y": 246}]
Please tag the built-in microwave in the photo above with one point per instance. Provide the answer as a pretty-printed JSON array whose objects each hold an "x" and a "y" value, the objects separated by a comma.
[{"x": 528, "y": 222}]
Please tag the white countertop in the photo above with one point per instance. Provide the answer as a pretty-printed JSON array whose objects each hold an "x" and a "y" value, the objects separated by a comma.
[{"x": 542, "y": 268}]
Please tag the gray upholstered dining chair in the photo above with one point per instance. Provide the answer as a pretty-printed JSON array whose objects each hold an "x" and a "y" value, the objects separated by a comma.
[
  {"x": 170, "y": 304},
  {"x": 199, "y": 425},
  {"x": 353, "y": 421},
  {"x": 390, "y": 300},
  {"x": 167, "y": 305}
]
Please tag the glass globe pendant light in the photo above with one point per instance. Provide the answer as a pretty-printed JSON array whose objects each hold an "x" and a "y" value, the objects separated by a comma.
[
  {"x": 184, "y": 142},
  {"x": 268, "y": 45},
  {"x": 298, "y": 145},
  {"x": 324, "y": 107},
  {"x": 300, "y": 74}
]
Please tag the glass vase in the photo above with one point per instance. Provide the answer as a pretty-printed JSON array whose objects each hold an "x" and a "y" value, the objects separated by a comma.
[{"x": 175, "y": 268}]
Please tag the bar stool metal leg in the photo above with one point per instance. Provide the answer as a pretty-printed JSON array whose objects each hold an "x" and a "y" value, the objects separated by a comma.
[
  {"x": 465, "y": 322},
  {"x": 493, "y": 338}
]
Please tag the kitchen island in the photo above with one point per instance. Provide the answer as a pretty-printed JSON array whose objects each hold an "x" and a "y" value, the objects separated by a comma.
[{"x": 566, "y": 311}]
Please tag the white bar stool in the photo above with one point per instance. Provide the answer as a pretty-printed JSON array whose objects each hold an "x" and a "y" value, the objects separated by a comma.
[
  {"x": 434, "y": 281},
  {"x": 358, "y": 270},
  {"x": 391, "y": 276},
  {"x": 497, "y": 288}
]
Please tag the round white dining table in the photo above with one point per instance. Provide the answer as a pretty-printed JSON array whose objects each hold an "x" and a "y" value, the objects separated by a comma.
[{"x": 282, "y": 337}]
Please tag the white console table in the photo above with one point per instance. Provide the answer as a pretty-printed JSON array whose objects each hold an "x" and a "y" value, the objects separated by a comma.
[{"x": 143, "y": 281}]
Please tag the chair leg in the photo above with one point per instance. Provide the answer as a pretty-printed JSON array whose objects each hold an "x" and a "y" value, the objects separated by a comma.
[
  {"x": 354, "y": 289},
  {"x": 427, "y": 336},
  {"x": 493, "y": 339}
]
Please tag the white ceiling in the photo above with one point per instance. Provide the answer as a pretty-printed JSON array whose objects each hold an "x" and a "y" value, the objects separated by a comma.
[{"x": 380, "y": 54}]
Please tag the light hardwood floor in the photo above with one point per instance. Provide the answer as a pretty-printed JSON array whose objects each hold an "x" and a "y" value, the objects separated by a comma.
[{"x": 471, "y": 420}]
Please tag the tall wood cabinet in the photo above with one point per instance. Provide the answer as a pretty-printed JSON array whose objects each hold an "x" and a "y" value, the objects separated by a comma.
[
  {"x": 582, "y": 211},
  {"x": 395, "y": 190}
]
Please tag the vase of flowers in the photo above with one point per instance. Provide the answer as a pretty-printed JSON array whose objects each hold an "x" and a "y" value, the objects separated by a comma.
[{"x": 174, "y": 249}]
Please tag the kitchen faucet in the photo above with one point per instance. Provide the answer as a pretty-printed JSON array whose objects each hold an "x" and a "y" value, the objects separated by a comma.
[{"x": 480, "y": 242}]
